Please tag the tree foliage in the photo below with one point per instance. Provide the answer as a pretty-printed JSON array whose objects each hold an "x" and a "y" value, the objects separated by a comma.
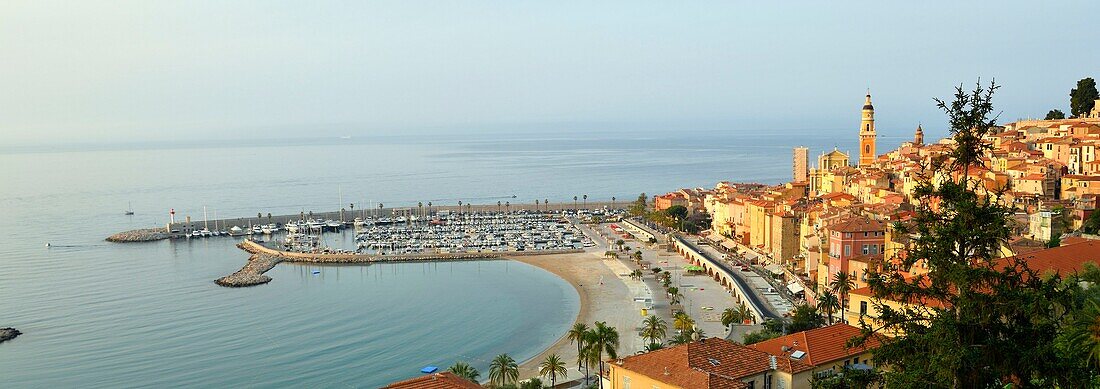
[
  {"x": 464, "y": 370},
  {"x": 1055, "y": 114},
  {"x": 1082, "y": 97},
  {"x": 805, "y": 317},
  {"x": 759, "y": 336},
  {"x": 677, "y": 212},
  {"x": 1091, "y": 225},
  {"x": 639, "y": 206},
  {"x": 974, "y": 320}
]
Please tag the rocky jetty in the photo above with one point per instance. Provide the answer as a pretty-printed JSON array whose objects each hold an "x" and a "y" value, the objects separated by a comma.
[
  {"x": 142, "y": 235},
  {"x": 8, "y": 333},
  {"x": 252, "y": 273}
]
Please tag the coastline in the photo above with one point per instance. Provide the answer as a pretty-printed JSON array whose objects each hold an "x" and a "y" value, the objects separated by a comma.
[{"x": 610, "y": 301}]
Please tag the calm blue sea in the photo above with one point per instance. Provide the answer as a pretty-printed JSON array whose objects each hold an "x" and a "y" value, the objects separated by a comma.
[{"x": 97, "y": 314}]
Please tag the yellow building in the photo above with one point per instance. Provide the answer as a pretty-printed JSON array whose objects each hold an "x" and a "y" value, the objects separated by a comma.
[
  {"x": 823, "y": 179},
  {"x": 758, "y": 223},
  {"x": 867, "y": 134}
]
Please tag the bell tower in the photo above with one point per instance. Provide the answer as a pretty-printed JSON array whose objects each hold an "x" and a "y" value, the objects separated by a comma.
[
  {"x": 918, "y": 136},
  {"x": 867, "y": 134}
]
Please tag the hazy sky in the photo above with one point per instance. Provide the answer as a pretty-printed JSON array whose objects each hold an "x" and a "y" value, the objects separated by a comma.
[{"x": 91, "y": 71}]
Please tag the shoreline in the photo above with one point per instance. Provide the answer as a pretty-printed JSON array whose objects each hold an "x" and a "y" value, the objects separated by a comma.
[{"x": 602, "y": 297}]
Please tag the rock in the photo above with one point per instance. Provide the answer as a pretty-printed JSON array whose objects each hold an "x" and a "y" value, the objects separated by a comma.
[
  {"x": 8, "y": 333},
  {"x": 252, "y": 272},
  {"x": 142, "y": 235}
]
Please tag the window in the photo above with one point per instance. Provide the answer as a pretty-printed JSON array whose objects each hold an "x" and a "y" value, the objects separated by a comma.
[
  {"x": 866, "y": 250},
  {"x": 864, "y": 234},
  {"x": 626, "y": 382},
  {"x": 847, "y": 250},
  {"x": 862, "y": 308},
  {"x": 752, "y": 384}
]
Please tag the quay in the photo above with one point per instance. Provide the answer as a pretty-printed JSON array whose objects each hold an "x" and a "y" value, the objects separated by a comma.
[
  {"x": 264, "y": 258},
  {"x": 298, "y": 257}
]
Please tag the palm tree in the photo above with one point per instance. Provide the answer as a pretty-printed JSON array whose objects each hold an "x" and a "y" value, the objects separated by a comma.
[
  {"x": 829, "y": 303},
  {"x": 620, "y": 243},
  {"x": 841, "y": 285},
  {"x": 553, "y": 368},
  {"x": 546, "y": 202},
  {"x": 577, "y": 335},
  {"x": 612, "y": 202},
  {"x": 464, "y": 370},
  {"x": 602, "y": 340},
  {"x": 574, "y": 203},
  {"x": 498, "y": 206},
  {"x": 503, "y": 370},
  {"x": 683, "y": 322},
  {"x": 654, "y": 329},
  {"x": 654, "y": 347},
  {"x": 429, "y": 207},
  {"x": 420, "y": 208},
  {"x": 739, "y": 315},
  {"x": 585, "y": 201},
  {"x": 1083, "y": 333}
]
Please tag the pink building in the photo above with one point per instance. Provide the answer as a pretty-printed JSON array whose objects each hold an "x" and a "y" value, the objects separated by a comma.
[{"x": 853, "y": 237}]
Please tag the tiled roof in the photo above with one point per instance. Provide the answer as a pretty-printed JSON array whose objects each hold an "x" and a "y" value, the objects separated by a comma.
[
  {"x": 444, "y": 380},
  {"x": 856, "y": 224},
  {"x": 708, "y": 363},
  {"x": 1063, "y": 259},
  {"x": 821, "y": 345}
]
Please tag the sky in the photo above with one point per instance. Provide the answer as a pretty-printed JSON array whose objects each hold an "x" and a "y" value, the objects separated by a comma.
[{"x": 109, "y": 71}]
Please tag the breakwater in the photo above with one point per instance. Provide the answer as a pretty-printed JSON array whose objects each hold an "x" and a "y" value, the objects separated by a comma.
[
  {"x": 289, "y": 256},
  {"x": 252, "y": 273},
  {"x": 141, "y": 235},
  {"x": 264, "y": 258}
]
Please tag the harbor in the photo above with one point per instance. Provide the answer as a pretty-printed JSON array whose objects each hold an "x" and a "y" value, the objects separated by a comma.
[
  {"x": 310, "y": 221},
  {"x": 396, "y": 236}
]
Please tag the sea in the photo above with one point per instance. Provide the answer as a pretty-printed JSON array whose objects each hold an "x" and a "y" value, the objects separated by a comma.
[{"x": 103, "y": 315}]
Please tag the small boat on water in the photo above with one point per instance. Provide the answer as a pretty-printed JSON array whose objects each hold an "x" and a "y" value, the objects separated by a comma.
[
  {"x": 236, "y": 231},
  {"x": 129, "y": 209}
]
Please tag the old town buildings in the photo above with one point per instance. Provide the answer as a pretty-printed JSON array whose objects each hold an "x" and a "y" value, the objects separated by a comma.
[{"x": 839, "y": 217}]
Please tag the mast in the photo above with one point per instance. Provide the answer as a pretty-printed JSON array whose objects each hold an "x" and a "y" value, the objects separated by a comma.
[{"x": 205, "y": 222}]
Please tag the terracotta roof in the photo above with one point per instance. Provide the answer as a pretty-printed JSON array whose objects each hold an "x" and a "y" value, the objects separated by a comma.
[
  {"x": 820, "y": 345},
  {"x": 708, "y": 363},
  {"x": 1063, "y": 259},
  {"x": 444, "y": 380},
  {"x": 856, "y": 224}
]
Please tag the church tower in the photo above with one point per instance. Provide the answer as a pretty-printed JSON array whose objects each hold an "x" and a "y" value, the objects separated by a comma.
[
  {"x": 867, "y": 134},
  {"x": 918, "y": 137}
]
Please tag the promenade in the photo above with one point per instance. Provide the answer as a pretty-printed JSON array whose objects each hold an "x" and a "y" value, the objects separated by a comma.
[{"x": 745, "y": 291}]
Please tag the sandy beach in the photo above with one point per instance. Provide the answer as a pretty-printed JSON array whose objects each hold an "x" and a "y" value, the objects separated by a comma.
[{"x": 603, "y": 297}]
